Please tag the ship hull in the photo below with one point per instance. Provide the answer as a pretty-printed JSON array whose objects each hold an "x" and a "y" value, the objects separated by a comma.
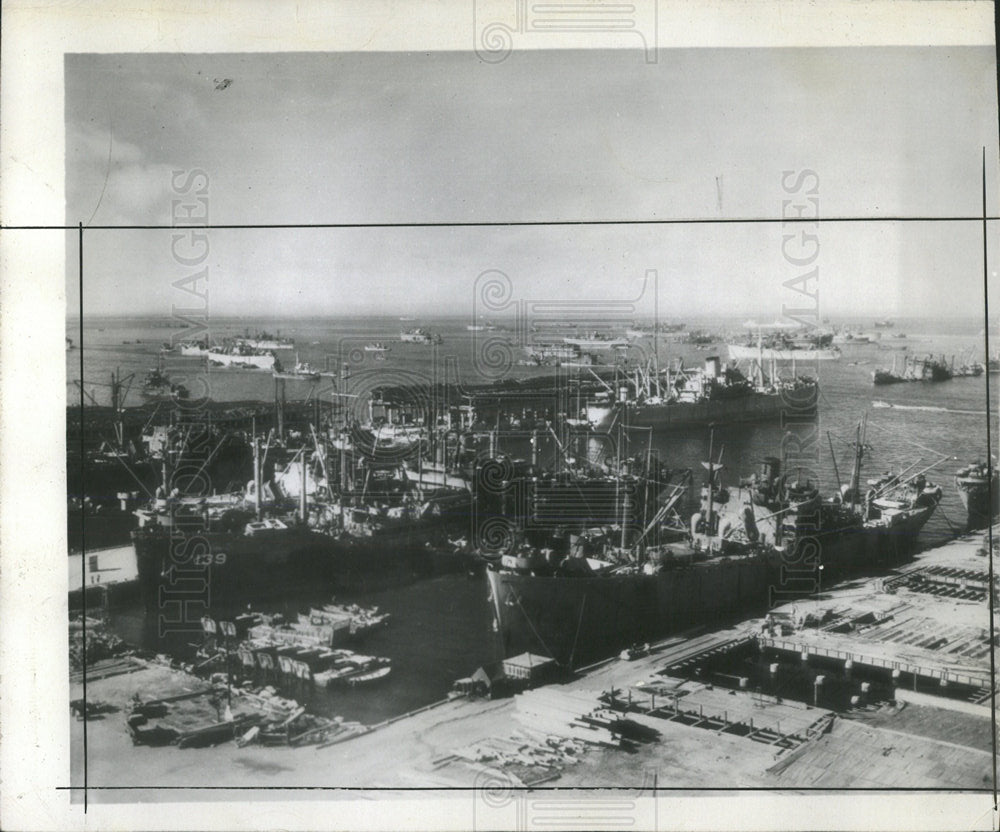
[
  {"x": 577, "y": 620},
  {"x": 269, "y": 345},
  {"x": 217, "y": 567},
  {"x": 741, "y": 352},
  {"x": 755, "y": 407},
  {"x": 586, "y": 344},
  {"x": 225, "y": 359}
]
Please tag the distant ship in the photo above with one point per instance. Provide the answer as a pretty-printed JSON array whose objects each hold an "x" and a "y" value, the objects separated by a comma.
[
  {"x": 849, "y": 337},
  {"x": 699, "y": 396},
  {"x": 420, "y": 336},
  {"x": 377, "y": 346},
  {"x": 638, "y": 331},
  {"x": 884, "y": 324},
  {"x": 266, "y": 341},
  {"x": 916, "y": 369},
  {"x": 242, "y": 356},
  {"x": 782, "y": 346},
  {"x": 596, "y": 341},
  {"x": 299, "y": 371},
  {"x": 558, "y": 355}
]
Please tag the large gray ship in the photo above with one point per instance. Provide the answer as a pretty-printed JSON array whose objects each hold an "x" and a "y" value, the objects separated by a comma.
[
  {"x": 767, "y": 541},
  {"x": 687, "y": 397}
]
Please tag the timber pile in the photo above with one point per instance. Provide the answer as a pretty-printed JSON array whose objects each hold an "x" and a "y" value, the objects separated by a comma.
[{"x": 579, "y": 716}]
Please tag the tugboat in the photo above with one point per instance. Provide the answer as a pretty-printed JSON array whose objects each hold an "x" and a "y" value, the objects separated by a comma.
[{"x": 979, "y": 487}]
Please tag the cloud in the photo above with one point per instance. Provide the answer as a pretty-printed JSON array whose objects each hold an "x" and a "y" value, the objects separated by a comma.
[{"x": 111, "y": 183}]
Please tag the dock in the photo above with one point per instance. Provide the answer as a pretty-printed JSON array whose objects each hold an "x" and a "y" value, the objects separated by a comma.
[{"x": 666, "y": 711}]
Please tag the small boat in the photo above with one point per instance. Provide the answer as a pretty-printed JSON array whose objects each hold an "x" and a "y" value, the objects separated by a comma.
[
  {"x": 353, "y": 667},
  {"x": 377, "y": 346},
  {"x": 365, "y": 678}
]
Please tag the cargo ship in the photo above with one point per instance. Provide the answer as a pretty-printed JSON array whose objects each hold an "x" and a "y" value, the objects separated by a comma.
[
  {"x": 782, "y": 345},
  {"x": 292, "y": 532},
  {"x": 699, "y": 396},
  {"x": 558, "y": 355},
  {"x": 596, "y": 341},
  {"x": 266, "y": 341},
  {"x": 916, "y": 369},
  {"x": 979, "y": 487},
  {"x": 637, "y": 330},
  {"x": 420, "y": 336},
  {"x": 241, "y": 355},
  {"x": 770, "y": 540}
]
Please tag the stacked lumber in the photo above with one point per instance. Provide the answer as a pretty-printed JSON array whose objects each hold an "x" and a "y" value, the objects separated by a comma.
[{"x": 566, "y": 713}]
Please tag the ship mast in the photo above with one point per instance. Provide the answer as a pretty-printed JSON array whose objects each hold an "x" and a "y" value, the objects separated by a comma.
[
  {"x": 256, "y": 475},
  {"x": 711, "y": 483},
  {"x": 858, "y": 453}
]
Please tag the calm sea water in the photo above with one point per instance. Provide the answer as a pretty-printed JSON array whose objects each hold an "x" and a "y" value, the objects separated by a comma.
[{"x": 441, "y": 626}]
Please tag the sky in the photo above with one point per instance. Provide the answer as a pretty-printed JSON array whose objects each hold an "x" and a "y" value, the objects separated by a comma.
[{"x": 547, "y": 136}]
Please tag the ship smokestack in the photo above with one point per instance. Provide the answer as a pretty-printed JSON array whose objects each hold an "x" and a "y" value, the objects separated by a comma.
[
  {"x": 770, "y": 469},
  {"x": 713, "y": 367}
]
